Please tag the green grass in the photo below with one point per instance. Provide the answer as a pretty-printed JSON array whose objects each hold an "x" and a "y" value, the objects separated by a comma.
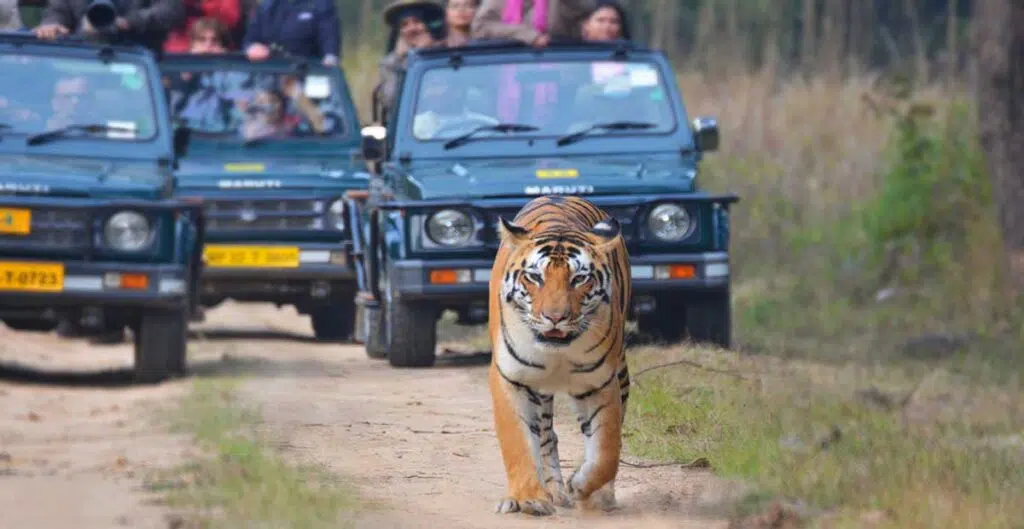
[
  {"x": 241, "y": 482},
  {"x": 927, "y": 449}
]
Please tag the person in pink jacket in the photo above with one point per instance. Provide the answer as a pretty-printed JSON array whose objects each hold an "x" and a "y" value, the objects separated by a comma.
[{"x": 534, "y": 22}]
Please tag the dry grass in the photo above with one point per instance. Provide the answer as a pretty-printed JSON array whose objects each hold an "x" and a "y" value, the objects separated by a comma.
[{"x": 910, "y": 450}]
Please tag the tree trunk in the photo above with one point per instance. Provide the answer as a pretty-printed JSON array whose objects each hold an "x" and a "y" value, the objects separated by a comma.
[{"x": 1000, "y": 98}]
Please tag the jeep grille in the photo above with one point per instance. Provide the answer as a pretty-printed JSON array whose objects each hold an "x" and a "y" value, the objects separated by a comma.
[
  {"x": 263, "y": 215},
  {"x": 61, "y": 229},
  {"x": 626, "y": 215}
]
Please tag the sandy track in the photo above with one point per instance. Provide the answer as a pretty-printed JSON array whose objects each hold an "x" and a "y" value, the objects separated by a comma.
[{"x": 417, "y": 443}]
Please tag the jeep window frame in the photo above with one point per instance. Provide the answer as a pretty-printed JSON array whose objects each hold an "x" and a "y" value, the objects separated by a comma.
[
  {"x": 402, "y": 143},
  {"x": 175, "y": 63},
  {"x": 152, "y": 90}
]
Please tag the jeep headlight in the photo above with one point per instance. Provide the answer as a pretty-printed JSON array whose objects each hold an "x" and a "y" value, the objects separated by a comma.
[
  {"x": 669, "y": 222},
  {"x": 449, "y": 227},
  {"x": 336, "y": 215},
  {"x": 128, "y": 231}
]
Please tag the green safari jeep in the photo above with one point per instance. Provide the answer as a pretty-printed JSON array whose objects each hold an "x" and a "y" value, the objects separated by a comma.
[
  {"x": 89, "y": 229},
  {"x": 274, "y": 155},
  {"x": 480, "y": 130}
]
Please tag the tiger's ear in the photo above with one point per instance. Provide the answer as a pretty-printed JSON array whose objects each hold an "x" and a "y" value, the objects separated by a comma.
[
  {"x": 513, "y": 233},
  {"x": 608, "y": 230}
]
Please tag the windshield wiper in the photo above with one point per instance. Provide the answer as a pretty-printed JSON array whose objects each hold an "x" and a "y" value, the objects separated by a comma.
[
  {"x": 498, "y": 127},
  {"x": 611, "y": 125},
  {"x": 90, "y": 128}
]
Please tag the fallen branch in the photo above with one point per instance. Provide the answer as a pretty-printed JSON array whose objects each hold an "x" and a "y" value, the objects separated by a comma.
[
  {"x": 690, "y": 363},
  {"x": 700, "y": 462}
]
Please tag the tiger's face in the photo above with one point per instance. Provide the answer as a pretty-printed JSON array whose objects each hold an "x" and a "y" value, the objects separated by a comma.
[{"x": 557, "y": 286}]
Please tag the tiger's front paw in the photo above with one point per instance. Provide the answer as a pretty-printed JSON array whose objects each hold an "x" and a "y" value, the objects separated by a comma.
[
  {"x": 533, "y": 506},
  {"x": 573, "y": 484},
  {"x": 560, "y": 494}
]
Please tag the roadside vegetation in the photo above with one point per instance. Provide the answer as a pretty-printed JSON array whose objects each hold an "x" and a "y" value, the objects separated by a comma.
[{"x": 240, "y": 481}]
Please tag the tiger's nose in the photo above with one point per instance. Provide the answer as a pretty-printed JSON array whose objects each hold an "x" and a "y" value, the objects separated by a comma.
[{"x": 556, "y": 316}]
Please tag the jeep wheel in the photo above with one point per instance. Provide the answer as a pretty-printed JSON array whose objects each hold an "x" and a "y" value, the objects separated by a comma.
[
  {"x": 333, "y": 323},
  {"x": 411, "y": 330},
  {"x": 30, "y": 324},
  {"x": 160, "y": 345},
  {"x": 709, "y": 319},
  {"x": 374, "y": 343}
]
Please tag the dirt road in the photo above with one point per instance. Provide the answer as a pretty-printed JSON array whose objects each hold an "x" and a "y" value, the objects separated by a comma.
[{"x": 416, "y": 442}]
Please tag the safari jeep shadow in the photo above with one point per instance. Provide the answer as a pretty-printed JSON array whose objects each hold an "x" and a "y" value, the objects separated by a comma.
[
  {"x": 89, "y": 230},
  {"x": 274, "y": 157},
  {"x": 479, "y": 131}
]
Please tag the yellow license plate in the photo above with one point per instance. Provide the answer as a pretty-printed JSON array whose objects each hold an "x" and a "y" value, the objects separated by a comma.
[
  {"x": 251, "y": 256},
  {"x": 15, "y": 221},
  {"x": 31, "y": 277}
]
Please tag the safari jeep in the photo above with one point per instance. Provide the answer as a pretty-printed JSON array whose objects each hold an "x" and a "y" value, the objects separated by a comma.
[
  {"x": 89, "y": 229},
  {"x": 274, "y": 147},
  {"x": 479, "y": 131}
]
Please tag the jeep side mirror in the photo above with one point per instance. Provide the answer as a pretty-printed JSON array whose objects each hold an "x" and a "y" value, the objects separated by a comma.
[
  {"x": 182, "y": 137},
  {"x": 705, "y": 133},
  {"x": 373, "y": 142}
]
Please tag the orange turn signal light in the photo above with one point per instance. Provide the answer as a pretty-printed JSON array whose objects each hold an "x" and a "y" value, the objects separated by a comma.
[
  {"x": 135, "y": 281},
  {"x": 682, "y": 271},
  {"x": 447, "y": 276}
]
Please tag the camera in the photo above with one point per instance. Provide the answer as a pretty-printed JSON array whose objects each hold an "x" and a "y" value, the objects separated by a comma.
[{"x": 101, "y": 15}]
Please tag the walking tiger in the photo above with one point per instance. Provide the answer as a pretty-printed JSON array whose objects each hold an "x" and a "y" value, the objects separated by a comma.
[{"x": 559, "y": 291}]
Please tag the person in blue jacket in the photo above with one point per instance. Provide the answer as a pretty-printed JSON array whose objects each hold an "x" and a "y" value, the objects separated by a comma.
[{"x": 306, "y": 28}]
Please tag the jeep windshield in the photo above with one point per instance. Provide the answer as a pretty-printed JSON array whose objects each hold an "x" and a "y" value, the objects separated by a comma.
[
  {"x": 546, "y": 99},
  {"x": 256, "y": 106},
  {"x": 43, "y": 94}
]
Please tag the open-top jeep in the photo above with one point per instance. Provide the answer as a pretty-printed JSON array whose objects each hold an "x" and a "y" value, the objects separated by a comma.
[
  {"x": 89, "y": 228},
  {"x": 478, "y": 131},
  {"x": 274, "y": 148}
]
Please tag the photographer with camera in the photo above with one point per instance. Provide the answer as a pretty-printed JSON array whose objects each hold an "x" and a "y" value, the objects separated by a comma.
[{"x": 144, "y": 22}]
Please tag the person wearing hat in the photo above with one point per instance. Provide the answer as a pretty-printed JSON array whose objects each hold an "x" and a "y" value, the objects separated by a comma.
[{"x": 414, "y": 24}]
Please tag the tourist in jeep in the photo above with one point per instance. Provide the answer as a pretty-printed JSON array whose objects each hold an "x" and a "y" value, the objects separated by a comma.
[
  {"x": 534, "y": 22},
  {"x": 409, "y": 19},
  {"x": 458, "y": 21},
  {"x": 208, "y": 36},
  {"x": 606, "y": 22},
  {"x": 443, "y": 106}
]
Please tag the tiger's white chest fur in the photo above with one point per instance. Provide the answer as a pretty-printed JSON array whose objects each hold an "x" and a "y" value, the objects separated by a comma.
[{"x": 575, "y": 368}]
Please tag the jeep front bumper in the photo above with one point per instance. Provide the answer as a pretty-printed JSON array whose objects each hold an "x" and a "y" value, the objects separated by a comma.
[
  {"x": 462, "y": 280},
  {"x": 317, "y": 270},
  {"x": 91, "y": 284}
]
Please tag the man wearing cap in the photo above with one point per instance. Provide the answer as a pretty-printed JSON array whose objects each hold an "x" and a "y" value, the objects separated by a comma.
[
  {"x": 305, "y": 28},
  {"x": 414, "y": 24}
]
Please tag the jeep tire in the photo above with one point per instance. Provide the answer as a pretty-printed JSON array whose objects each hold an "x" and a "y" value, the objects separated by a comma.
[
  {"x": 709, "y": 319},
  {"x": 374, "y": 343},
  {"x": 333, "y": 323},
  {"x": 411, "y": 330},
  {"x": 161, "y": 342},
  {"x": 30, "y": 324}
]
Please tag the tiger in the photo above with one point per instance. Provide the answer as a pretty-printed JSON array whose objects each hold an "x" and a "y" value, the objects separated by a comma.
[{"x": 558, "y": 296}]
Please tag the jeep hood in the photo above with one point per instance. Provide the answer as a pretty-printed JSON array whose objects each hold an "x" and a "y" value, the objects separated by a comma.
[
  {"x": 81, "y": 177},
  {"x": 476, "y": 178},
  {"x": 293, "y": 174}
]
